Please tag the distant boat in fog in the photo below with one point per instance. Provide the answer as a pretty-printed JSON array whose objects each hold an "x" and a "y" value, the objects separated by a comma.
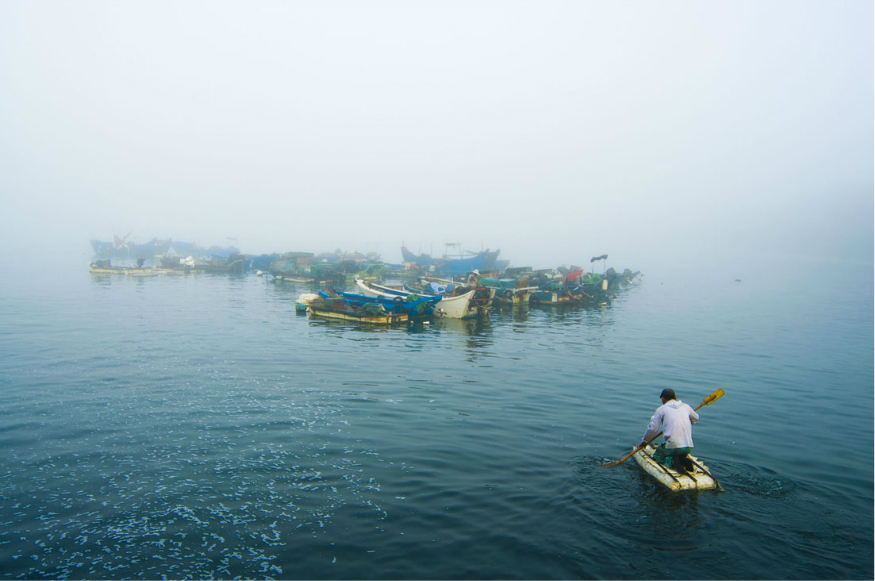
[
  {"x": 456, "y": 264},
  {"x": 121, "y": 249}
]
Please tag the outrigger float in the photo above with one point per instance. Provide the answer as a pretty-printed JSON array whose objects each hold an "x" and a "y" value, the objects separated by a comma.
[{"x": 700, "y": 478}]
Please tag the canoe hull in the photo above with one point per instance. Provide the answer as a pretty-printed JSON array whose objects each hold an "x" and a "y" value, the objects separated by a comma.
[{"x": 700, "y": 479}]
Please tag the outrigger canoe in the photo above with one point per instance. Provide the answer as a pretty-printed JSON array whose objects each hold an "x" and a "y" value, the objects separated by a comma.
[{"x": 699, "y": 479}]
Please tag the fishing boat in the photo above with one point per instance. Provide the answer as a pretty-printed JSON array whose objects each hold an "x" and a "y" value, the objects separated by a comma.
[
  {"x": 618, "y": 280},
  {"x": 123, "y": 249},
  {"x": 411, "y": 305},
  {"x": 455, "y": 262},
  {"x": 337, "y": 308},
  {"x": 373, "y": 289},
  {"x": 477, "y": 303},
  {"x": 556, "y": 297},
  {"x": 464, "y": 306},
  {"x": 292, "y": 267},
  {"x": 188, "y": 265},
  {"x": 699, "y": 478},
  {"x": 106, "y": 267},
  {"x": 449, "y": 287},
  {"x": 509, "y": 291},
  {"x": 302, "y": 305}
]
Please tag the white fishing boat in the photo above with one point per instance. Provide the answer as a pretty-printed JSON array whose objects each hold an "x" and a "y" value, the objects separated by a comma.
[
  {"x": 478, "y": 304},
  {"x": 699, "y": 478},
  {"x": 372, "y": 289}
]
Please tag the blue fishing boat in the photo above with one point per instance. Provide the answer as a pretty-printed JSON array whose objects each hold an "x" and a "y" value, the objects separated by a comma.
[
  {"x": 468, "y": 303},
  {"x": 411, "y": 305},
  {"x": 460, "y": 263}
]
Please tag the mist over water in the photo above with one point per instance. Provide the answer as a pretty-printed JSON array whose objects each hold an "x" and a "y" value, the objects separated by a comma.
[{"x": 660, "y": 133}]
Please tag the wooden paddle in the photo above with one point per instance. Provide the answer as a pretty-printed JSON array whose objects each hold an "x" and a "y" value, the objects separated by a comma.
[{"x": 707, "y": 401}]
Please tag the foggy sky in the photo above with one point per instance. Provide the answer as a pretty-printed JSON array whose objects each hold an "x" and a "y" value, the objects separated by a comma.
[{"x": 555, "y": 131}]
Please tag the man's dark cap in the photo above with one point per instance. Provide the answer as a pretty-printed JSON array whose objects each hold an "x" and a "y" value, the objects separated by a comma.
[{"x": 668, "y": 394}]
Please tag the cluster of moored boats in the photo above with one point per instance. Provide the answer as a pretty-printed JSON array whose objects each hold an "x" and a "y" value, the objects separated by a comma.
[
  {"x": 381, "y": 304},
  {"x": 433, "y": 286}
]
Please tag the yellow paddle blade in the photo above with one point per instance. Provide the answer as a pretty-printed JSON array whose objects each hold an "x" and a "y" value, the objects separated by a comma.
[{"x": 714, "y": 397}]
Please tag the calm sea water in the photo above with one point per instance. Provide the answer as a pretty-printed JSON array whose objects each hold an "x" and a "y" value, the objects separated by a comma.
[{"x": 197, "y": 427}]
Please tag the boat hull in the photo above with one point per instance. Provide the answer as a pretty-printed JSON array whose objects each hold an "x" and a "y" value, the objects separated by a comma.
[
  {"x": 459, "y": 307},
  {"x": 699, "y": 479},
  {"x": 483, "y": 261},
  {"x": 355, "y": 317},
  {"x": 515, "y": 297},
  {"x": 127, "y": 271},
  {"x": 554, "y": 298},
  {"x": 371, "y": 289}
]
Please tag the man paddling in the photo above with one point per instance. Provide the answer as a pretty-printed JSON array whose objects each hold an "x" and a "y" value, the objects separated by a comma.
[{"x": 675, "y": 419}]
